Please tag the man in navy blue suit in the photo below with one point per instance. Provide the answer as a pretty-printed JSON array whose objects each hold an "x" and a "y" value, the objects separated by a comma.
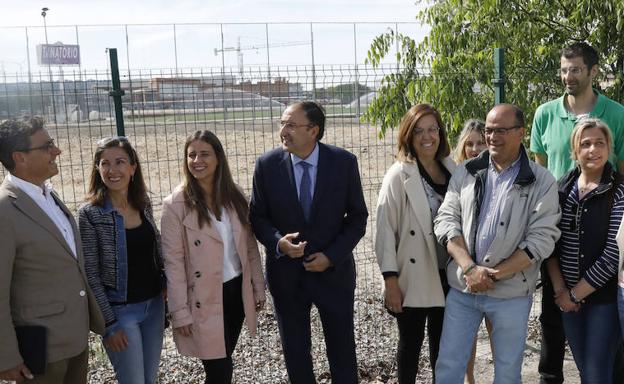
[{"x": 308, "y": 210}]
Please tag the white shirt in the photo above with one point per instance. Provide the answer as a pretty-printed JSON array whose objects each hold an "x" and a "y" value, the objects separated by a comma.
[
  {"x": 46, "y": 202},
  {"x": 231, "y": 260}
]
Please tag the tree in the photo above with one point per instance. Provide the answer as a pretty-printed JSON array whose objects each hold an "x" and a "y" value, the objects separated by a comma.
[{"x": 452, "y": 68}]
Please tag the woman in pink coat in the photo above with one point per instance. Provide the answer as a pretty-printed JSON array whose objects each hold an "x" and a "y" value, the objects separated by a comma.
[{"x": 212, "y": 263}]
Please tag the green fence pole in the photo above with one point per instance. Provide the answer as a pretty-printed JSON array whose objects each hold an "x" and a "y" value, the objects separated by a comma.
[
  {"x": 117, "y": 92},
  {"x": 499, "y": 75}
]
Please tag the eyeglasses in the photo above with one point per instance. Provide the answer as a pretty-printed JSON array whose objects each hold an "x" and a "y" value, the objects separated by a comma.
[
  {"x": 292, "y": 126},
  {"x": 432, "y": 131},
  {"x": 500, "y": 131},
  {"x": 574, "y": 71},
  {"x": 45, "y": 147},
  {"x": 108, "y": 140}
]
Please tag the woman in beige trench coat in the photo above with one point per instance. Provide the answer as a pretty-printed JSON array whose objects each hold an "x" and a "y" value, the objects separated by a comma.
[
  {"x": 212, "y": 263},
  {"x": 409, "y": 257}
]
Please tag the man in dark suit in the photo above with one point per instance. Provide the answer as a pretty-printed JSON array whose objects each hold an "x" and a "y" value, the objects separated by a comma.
[
  {"x": 42, "y": 277},
  {"x": 308, "y": 210}
]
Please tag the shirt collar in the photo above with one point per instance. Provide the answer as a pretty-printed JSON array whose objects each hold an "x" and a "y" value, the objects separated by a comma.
[
  {"x": 30, "y": 188},
  {"x": 514, "y": 165},
  {"x": 597, "y": 110},
  {"x": 312, "y": 158}
]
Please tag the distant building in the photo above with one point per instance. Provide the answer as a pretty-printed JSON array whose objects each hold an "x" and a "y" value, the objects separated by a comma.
[{"x": 279, "y": 89}]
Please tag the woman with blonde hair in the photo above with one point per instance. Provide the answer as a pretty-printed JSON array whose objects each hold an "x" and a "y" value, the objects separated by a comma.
[
  {"x": 409, "y": 257},
  {"x": 584, "y": 267},
  {"x": 212, "y": 263},
  {"x": 471, "y": 141}
]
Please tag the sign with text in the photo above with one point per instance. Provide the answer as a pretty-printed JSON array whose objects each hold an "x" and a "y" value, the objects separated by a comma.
[{"x": 58, "y": 54}]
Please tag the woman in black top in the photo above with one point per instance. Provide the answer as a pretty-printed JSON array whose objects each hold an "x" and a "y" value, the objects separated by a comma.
[{"x": 123, "y": 261}]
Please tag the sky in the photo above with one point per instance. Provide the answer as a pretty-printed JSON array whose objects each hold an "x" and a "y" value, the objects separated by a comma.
[
  {"x": 27, "y": 12},
  {"x": 150, "y": 41}
]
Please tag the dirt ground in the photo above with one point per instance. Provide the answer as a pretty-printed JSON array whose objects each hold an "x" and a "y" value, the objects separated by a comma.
[{"x": 260, "y": 360}]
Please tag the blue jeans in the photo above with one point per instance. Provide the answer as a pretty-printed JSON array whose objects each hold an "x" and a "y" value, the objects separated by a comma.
[
  {"x": 143, "y": 323},
  {"x": 463, "y": 315},
  {"x": 594, "y": 336}
]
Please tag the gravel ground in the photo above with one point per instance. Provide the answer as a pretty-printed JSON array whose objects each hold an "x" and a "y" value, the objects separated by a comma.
[{"x": 260, "y": 360}]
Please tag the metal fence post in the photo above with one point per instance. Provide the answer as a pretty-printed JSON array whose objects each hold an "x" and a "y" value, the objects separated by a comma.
[
  {"x": 313, "y": 66},
  {"x": 117, "y": 92},
  {"x": 499, "y": 75},
  {"x": 270, "y": 88},
  {"x": 356, "y": 89}
]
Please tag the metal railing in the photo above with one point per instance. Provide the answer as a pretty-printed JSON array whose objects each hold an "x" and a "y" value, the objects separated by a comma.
[{"x": 241, "y": 104}]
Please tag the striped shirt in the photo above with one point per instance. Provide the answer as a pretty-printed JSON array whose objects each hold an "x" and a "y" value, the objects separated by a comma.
[
  {"x": 574, "y": 214},
  {"x": 497, "y": 187}
]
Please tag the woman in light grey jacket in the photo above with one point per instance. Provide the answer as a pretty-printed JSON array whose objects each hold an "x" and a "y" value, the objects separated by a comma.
[{"x": 409, "y": 257}]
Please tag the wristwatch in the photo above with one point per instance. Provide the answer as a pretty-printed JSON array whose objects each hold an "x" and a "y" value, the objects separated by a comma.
[{"x": 573, "y": 297}]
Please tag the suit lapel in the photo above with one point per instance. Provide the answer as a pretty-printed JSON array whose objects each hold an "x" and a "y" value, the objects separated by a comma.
[
  {"x": 25, "y": 204},
  {"x": 322, "y": 178},
  {"x": 286, "y": 169},
  {"x": 74, "y": 227}
]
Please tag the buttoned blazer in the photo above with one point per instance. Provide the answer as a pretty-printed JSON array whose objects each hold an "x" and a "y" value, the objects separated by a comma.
[
  {"x": 193, "y": 259},
  {"x": 338, "y": 213},
  {"x": 404, "y": 241},
  {"x": 41, "y": 282}
]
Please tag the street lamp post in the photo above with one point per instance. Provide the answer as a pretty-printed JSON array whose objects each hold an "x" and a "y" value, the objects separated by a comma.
[{"x": 44, "y": 12}]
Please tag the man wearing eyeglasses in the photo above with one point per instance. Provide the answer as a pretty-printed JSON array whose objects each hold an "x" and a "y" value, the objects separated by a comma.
[
  {"x": 499, "y": 222},
  {"x": 42, "y": 277},
  {"x": 307, "y": 209},
  {"x": 550, "y": 143}
]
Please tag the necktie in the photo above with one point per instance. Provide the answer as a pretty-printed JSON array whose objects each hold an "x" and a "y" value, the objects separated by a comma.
[{"x": 305, "y": 193}]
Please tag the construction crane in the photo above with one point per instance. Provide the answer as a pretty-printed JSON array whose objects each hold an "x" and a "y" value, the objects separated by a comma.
[{"x": 239, "y": 50}]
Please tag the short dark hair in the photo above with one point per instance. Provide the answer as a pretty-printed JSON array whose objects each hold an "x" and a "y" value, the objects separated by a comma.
[
  {"x": 581, "y": 49},
  {"x": 313, "y": 112},
  {"x": 137, "y": 190},
  {"x": 519, "y": 114},
  {"x": 15, "y": 136}
]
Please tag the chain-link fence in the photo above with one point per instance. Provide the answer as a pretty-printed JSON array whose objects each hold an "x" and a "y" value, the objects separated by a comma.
[
  {"x": 162, "y": 107},
  {"x": 241, "y": 103}
]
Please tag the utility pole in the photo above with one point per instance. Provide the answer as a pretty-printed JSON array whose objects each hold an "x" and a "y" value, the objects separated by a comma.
[{"x": 44, "y": 12}]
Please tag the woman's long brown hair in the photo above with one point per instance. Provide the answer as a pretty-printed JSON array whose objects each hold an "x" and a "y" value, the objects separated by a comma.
[{"x": 226, "y": 193}]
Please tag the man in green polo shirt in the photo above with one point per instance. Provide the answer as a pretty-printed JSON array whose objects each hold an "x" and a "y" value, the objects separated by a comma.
[
  {"x": 550, "y": 143},
  {"x": 554, "y": 120}
]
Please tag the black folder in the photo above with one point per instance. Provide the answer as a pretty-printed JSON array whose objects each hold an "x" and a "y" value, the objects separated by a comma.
[{"x": 32, "y": 341}]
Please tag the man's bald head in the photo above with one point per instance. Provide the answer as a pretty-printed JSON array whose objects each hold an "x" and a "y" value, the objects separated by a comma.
[
  {"x": 504, "y": 109},
  {"x": 504, "y": 132}
]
